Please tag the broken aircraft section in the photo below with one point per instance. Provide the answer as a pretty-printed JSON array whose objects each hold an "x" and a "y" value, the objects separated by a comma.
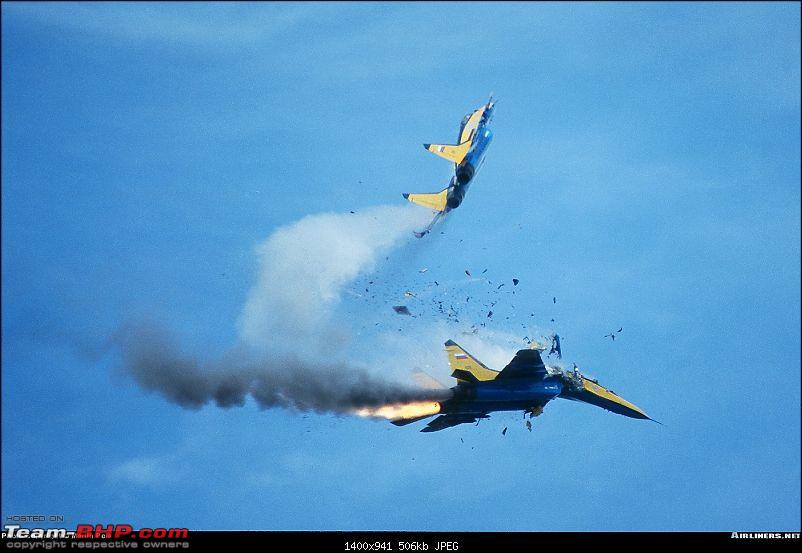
[{"x": 526, "y": 384}]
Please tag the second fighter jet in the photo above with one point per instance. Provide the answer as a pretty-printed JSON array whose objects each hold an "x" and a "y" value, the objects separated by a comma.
[{"x": 467, "y": 156}]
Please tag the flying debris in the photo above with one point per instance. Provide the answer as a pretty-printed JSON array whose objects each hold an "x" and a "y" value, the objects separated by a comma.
[
  {"x": 555, "y": 346},
  {"x": 421, "y": 271},
  {"x": 554, "y": 299},
  {"x": 467, "y": 157},
  {"x": 467, "y": 272},
  {"x": 515, "y": 282},
  {"x": 499, "y": 286},
  {"x": 526, "y": 383},
  {"x": 489, "y": 314},
  {"x": 401, "y": 310},
  {"x": 409, "y": 294},
  {"x": 612, "y": 335},
  {"x": 504, "y": 432}
]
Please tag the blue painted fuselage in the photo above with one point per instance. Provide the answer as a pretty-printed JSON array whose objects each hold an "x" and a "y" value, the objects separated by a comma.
[
  {"x": 509, "y": 395},
  {"x": 466, "y": 170}
]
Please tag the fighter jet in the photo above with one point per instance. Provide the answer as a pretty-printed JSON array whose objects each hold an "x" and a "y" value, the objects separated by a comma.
[
  {"x": 526, "y": 384},
  {"x": 467, "y": 156}
]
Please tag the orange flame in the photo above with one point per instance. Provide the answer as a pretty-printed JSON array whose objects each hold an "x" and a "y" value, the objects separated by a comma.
[{"x": 401, "y": 411}]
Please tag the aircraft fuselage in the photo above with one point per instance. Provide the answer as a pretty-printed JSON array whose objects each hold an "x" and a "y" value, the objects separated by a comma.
[
  {"x": 466, "y": 170},
  {"x": 515, "y": 395}
]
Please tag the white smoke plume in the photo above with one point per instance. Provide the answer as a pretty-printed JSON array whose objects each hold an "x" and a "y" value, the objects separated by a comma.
[
  {"x": 289, "y": 333},
  {"x": 304, "y": 266}
]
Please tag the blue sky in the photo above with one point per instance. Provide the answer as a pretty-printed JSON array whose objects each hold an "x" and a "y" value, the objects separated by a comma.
[{"x": 645, "y": 171}]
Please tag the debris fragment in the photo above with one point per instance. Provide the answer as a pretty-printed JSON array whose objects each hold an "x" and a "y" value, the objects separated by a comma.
[
  {"x": 612, "y": 335},
  {"x": 489, "y": 314},
  {"x": 483, "y": 272},
  {"x": 409, "y": 294},
  {"x": 467, "y": 272},
  {"x": 499, "y": 286},
  {"x": 554, "y": 299},
  {"x": 555, "y": 346},
  {"x": 401, "y": 310},
  {"x": 421, "y": 271},
  {"x": 529, "y": 425},
  {"x": 504, "y": 432},
  {"x": 515, "y": 282}
]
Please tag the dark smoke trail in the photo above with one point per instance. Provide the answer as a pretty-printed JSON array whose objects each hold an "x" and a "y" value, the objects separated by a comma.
[{"x": 158, "y": 365}]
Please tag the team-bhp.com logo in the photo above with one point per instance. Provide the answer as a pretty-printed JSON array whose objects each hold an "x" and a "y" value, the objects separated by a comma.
[
  {"x": 118, "y": 531},
  {"x": 95, "y": 531}
]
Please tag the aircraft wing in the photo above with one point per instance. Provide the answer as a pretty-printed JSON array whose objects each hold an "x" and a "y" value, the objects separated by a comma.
[
  {"x": 527, "y": 363},
  {"x": 447, "y": 421},
  {"x": 452, "y": 152},
  {"x": 469, "y": 128}
]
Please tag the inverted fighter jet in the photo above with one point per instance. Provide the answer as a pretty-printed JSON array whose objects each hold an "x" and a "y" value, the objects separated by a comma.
[
  {"x": 526, "y": 384},
  {"x": 467, "y": 156}
]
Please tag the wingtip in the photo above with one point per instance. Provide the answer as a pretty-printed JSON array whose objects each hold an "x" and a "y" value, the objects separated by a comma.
[
  {"x": 406, "y": 195},
  {"x": 426, "y": 146},
  {"x": 450, "y": 343}
]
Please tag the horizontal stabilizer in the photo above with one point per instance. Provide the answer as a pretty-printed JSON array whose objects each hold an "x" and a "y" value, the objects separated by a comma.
[
  {"x": 404, "y": 422},
  {"x": 447, "y": 421},
  {"x": 455, "y": 153},
  {"x": 432, "y": 201}
]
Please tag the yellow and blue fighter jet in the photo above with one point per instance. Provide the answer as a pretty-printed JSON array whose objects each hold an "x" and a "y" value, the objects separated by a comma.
[
  {"x": 467, "y": 155},
  {"x": 526, "y": 384}
]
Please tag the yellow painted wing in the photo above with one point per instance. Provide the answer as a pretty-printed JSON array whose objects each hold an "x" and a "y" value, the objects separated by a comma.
[
  {"x": 457, "y": 152},
  {"x": 471, "y": 125},
  {"x": 604, "y": 393},
  {"x": 450, "y": 152},
  {"x": 432, "y": 201}
]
